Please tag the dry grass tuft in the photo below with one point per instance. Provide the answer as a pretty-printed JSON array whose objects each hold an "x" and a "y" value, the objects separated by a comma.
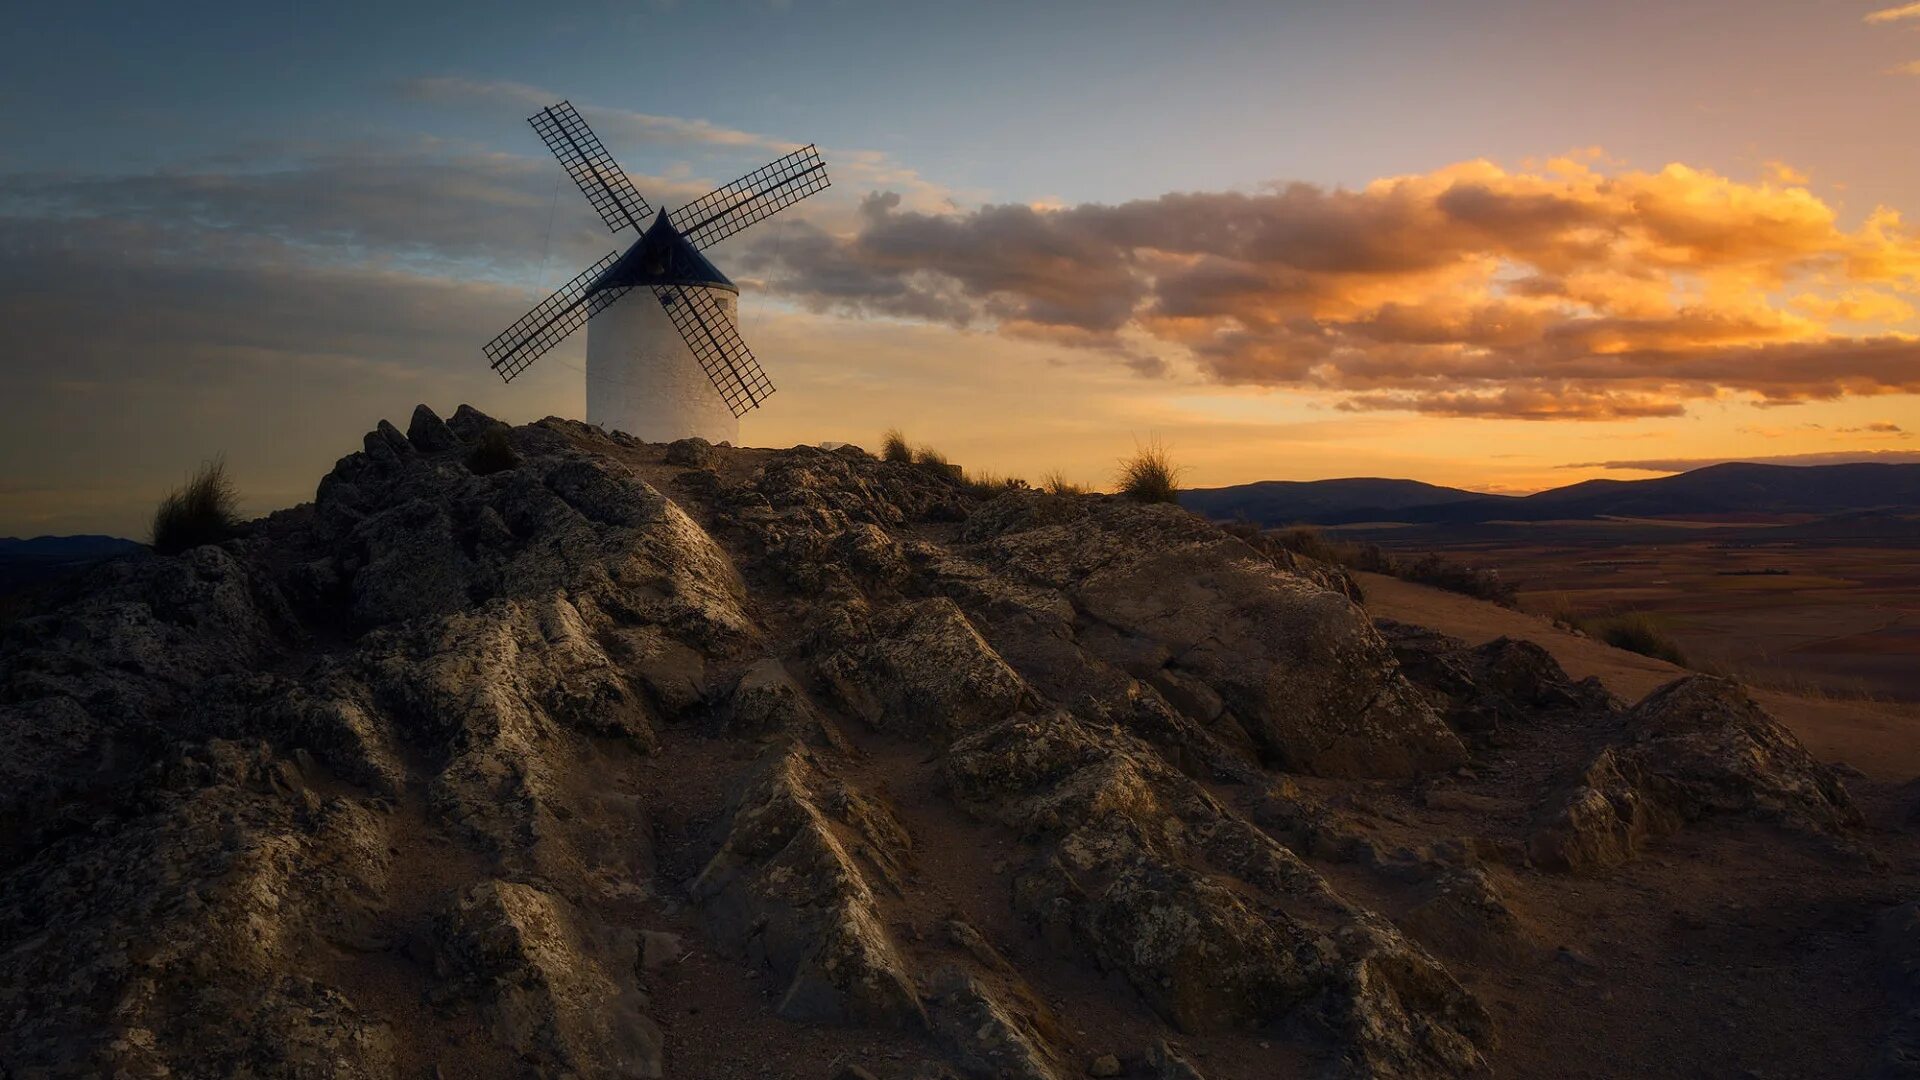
[
  {"x": 1636, "y": 631},
  {"x": 493, "y": 453},
  {"x": 930, "y": 457},
  {"x": 893, "y": 446},
  {"x": 205, "y": 511},
  {"x": 988, "y": 484},
  {"x": 1150, "y": 476},
  {"x": 1056, "y": 483}
]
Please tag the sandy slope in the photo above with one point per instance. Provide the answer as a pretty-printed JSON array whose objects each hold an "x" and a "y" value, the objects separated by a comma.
[{"x": 1881, "y": 739}]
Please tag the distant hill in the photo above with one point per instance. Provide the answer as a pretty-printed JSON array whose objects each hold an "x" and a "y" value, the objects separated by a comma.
[
  {"x": 25, "y": 562},
  {"x": 1717, "y": 490},
  {"x": 1282, "y": 502}
]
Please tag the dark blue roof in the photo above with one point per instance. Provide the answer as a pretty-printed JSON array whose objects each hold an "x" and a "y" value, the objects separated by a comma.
[{"x": 661, "y": 257}]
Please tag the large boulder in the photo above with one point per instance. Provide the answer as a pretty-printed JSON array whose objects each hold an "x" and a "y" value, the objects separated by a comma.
[
  {"x": 1696, "y": 747},
  {"x": 1200, "y": 615}
]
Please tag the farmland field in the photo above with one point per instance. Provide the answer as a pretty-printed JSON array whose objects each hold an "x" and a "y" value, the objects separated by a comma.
[{"x": 1818, "y": 617}]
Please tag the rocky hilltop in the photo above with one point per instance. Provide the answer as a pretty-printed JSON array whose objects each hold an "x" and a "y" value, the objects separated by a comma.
[{"x": 629, "y": 760}]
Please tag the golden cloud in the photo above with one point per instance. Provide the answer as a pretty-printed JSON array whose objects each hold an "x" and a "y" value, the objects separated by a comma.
[
  {"x": 1894, "y": 14},
  {"x": 1564, "y": 291}
]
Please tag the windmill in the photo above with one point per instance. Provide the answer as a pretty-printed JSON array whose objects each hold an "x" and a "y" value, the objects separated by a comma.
[{"x": 667, "y": 361}]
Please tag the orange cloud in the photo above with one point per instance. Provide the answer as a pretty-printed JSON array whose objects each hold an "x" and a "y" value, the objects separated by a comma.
[
  {"x": 1566, "y": 291},
  {"x": 1894, "y": 14}
]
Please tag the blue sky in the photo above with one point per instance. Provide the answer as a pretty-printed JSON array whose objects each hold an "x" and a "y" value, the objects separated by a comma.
[
  {"x": 1088, "y": 101},
  {"x": 306, "y": 212}
]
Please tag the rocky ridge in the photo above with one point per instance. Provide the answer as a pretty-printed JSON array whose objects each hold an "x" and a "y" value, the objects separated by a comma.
[{"x": 506, "y": 773}]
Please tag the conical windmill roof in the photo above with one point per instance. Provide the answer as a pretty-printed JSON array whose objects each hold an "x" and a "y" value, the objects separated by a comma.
[{"x": 662, "y": 257}]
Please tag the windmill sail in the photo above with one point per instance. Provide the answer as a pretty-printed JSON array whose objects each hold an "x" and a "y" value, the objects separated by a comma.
[
  {"x": 600, "y": 178},
  {"x": 759, "y": 194},
  {"x": 551, "y": 321},
  {"x": 718, "y": 347}
]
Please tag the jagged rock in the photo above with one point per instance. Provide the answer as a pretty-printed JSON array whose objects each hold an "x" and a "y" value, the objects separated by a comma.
[
  {"x": 386, "y": 446},
  {"x": 469, "y": 424},
  {"x": 552, "y": 994},
  {"x": 372, "y": 786},
  {"x": 1148, "y": 873},
  {"x": 430, "y": 434},
  {"x": 87, "y": 685},
  {"x": 1163, "y": 595},
  {"x": 786, "y": 889},
  {"x": 187, "y": 919},
  {"x": 990, "y": 1032},
  {"x": 1696, "y": 746},
  {"x": 691, "y": 453},
  {"x": 766, "y": 699},
  {"x": 925, "y": 672},
  {"x": 1504, "y": 681}
]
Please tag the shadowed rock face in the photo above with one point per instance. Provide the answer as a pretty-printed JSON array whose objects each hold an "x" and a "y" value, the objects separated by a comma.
[
  {"x": 372, "y": 790},
  {"x": 1695, "y": 747}
]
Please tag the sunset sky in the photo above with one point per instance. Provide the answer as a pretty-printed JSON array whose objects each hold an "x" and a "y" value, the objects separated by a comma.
[{"x": 1494, "y": 244}]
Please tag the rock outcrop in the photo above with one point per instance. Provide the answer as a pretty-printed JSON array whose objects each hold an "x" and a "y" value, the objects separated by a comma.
[
  {"x": 616, "y": 760},
  {"x": 1696, "y": 747}
]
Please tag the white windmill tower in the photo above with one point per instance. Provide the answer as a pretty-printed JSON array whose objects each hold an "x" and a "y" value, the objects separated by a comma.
[{"x": 666, "y": 362}]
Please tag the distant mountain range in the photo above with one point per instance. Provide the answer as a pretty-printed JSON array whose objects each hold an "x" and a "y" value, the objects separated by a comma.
[
  {"x": 24, "y": 562},
  {"x": 1717, "y": 491}
]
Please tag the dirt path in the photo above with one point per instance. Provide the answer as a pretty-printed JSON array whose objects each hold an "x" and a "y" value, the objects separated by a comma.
[{"x": 1881, "y": 739}]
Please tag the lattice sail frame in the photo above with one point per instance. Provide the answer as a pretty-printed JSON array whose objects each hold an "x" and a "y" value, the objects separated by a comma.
[
  {"x": 599, "y": 177},
  {"x": 711, "y": 337},
  {"x": 551, "y": 321},
  {"x": 758, "y": 195},
  {"x": 717, "y": 346}
]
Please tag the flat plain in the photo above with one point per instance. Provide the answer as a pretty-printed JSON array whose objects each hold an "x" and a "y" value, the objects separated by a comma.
[{"x": 1817, "y": 617}]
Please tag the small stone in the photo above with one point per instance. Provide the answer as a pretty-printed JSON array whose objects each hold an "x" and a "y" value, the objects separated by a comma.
[
  {"x": 693, "y": 452},
  {"x": 1104, "y": 1065},
  {"x": 658, "y": 949}
]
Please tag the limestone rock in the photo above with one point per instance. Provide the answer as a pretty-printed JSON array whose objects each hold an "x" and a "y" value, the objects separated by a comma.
[
  {"x": 787, "y": 890},
  {"x": 1502, "y": 682},
  {"x": 1697, "y": 746},
  {"x": 430, "y": 434},
  {"x": 991, "y": 1032},
  {"x": 1151, "y": 875},
  {"x": 692, "y": 453},
  {"x": 926, "y": 673},
  {"x": 552, "y": 995},
  {"x": 1161, "y": 593}
]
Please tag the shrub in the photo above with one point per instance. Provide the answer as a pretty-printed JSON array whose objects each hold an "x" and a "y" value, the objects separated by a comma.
[
  {"x": 1309, "y": 541},
  {"x": 1314, "y": 544},
  {"x": 989, "y": 484},
  {"x": 893, "y": 446},
  {"x": 1466, "y": 580},
  {"x": 1372, "y": 558},
  {"x": 493, "y": 453},
  {"x": 205, "y": 511},
  {"x": 1056, "y": 483},
  {"x": 1150, "y": 476},
  {"x": 928, "y": 456},
  {"x": 1636, "y": 631}
]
